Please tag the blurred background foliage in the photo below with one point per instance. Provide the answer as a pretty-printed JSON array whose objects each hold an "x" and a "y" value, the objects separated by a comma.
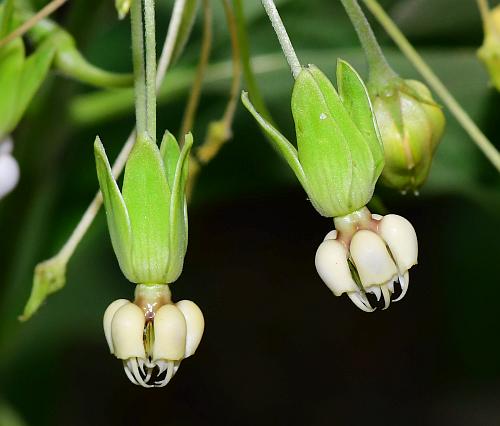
[{"x": 278, "y": 348}]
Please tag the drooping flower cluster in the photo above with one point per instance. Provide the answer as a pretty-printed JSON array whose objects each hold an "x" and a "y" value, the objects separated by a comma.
[
  {"x": 368, "y": 255},
  {"x": 152, "y": 335}
]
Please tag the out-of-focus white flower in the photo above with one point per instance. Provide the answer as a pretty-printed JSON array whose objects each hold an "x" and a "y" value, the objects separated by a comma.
[
  {"x": 152, "y": 335},
  {"x": 9, "y": 169},
  {"x": 368, "y": 254}
]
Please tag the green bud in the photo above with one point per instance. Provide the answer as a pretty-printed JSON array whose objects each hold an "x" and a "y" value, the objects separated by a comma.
[
  {"x": 147, "y": 221},
  {"x": 489, "y": 52},
  {"x": 411, "y": 125},
  {"x": 340, "y": 155}
]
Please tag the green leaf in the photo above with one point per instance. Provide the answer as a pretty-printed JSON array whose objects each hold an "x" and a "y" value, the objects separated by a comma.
[
  {"x": 119, "y": 223},
  {"x": 11, "y": 65},
  {"x": 34, "y": 71},
  {"x": 355, "y": 98},
  {"x": 169, "y": 151},
  {"x": 49, "y": 277},
  {"x": 147, "y": 197},
  {"x": 178, "y": 212},
  {"x": 280, "y": 143}
]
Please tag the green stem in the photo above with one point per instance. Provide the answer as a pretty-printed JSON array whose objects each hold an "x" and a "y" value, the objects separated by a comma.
[
  {"x": 149, "y": 21},
  {"x": 194, "y": 96},
  {"x": 484, "y": 9},
  {"x": 380, "y": 71},
  {"x": 251, "y": 83},
  {"x": 286, "y": 44},
  {"x": 462, "y": 117},
  {"x": 138, "y": 62}
]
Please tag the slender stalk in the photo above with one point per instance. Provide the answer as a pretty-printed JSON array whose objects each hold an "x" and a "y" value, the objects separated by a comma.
[
  {"x": 169, "y": 45},
  {"x": 219, "y": 132},
  {"x": 286, "y": 44},
  {"x": 150, "y": 43},
  {"x": 244, "y": 50},
  {"x": 462, "y": 117},
  {"x": 139, "y": 66},
  {"x": 30, "y": 23},
  {"x": 379, "y": 69},
  {"x": 194, "y": 97},
  {"x": 484, "y": 9}
]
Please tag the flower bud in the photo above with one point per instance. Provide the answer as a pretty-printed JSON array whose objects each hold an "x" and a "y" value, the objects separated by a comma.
[
  {"x": 366, "y": 256},
  {"x": 489, "y": 52},
  {"x": 411, "y": 125},
  {"x": 340, "y": 155}
]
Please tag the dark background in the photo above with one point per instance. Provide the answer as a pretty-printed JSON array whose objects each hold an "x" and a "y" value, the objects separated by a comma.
[{"x": 278, "y": 347}]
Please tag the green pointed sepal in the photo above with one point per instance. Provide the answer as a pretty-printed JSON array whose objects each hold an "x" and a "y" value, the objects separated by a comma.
[
  {"x": 339, "y": 154},
  {"x": 148, "y": 223}
]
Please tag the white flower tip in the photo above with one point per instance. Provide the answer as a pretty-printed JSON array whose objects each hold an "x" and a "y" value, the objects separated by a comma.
[
  {"x": 400, "y": 236},
  {"x": 372, "y": 260},
  {"x": 332, "y": 235},
  {"x": 9, "y": 174},
  {"x": 108, "y": 318},
  {"x": 170, "y": 334},
  {"x": 331, "y": 264},
  {"x": 195, "y": 325},
  {"x": 127, "y": 330}
]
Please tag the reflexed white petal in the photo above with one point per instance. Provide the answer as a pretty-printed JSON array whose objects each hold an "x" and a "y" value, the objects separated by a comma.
[
  {"x": 401, "y": 238},
  {"x": 404, "y": 281},
  {"x": 108, "y": 317},
  {"x": 331, "y": 264},
  {"x": 195, "y": 324},
  {"x": 377, "y": 216},
  {"x": 372, "y": 260},
  {"x": 127, "y": 328},
  {"x": 332, "y": 235},
  {"x": 170, "y": 334},
  {"x": 9, "y": 174}
]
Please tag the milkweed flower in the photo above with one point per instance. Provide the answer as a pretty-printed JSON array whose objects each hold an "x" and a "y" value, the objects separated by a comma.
[
  {"x": 9, "y": 169},
  {"x": 152, "y": 335},
  {"x": 368, "y": 254}
]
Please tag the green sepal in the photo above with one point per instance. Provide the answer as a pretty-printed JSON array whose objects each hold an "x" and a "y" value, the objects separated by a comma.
[
  {"x": 178, "y": 212},
  {"x": 116, "y": 213},
  {"x": 170, "y": 151},
  {"x": 334, "y": 153},
  {"x": 146, "y": 195},
  {"x": 356, "y": 100},
  {"x": 279, "y": 142}
]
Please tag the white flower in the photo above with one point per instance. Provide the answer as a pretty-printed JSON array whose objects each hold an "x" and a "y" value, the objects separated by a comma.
[
  {"x": 9, "y": 169},
  {"x": 368, "y": 254},
  {"x": 152, "y": 339}
]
